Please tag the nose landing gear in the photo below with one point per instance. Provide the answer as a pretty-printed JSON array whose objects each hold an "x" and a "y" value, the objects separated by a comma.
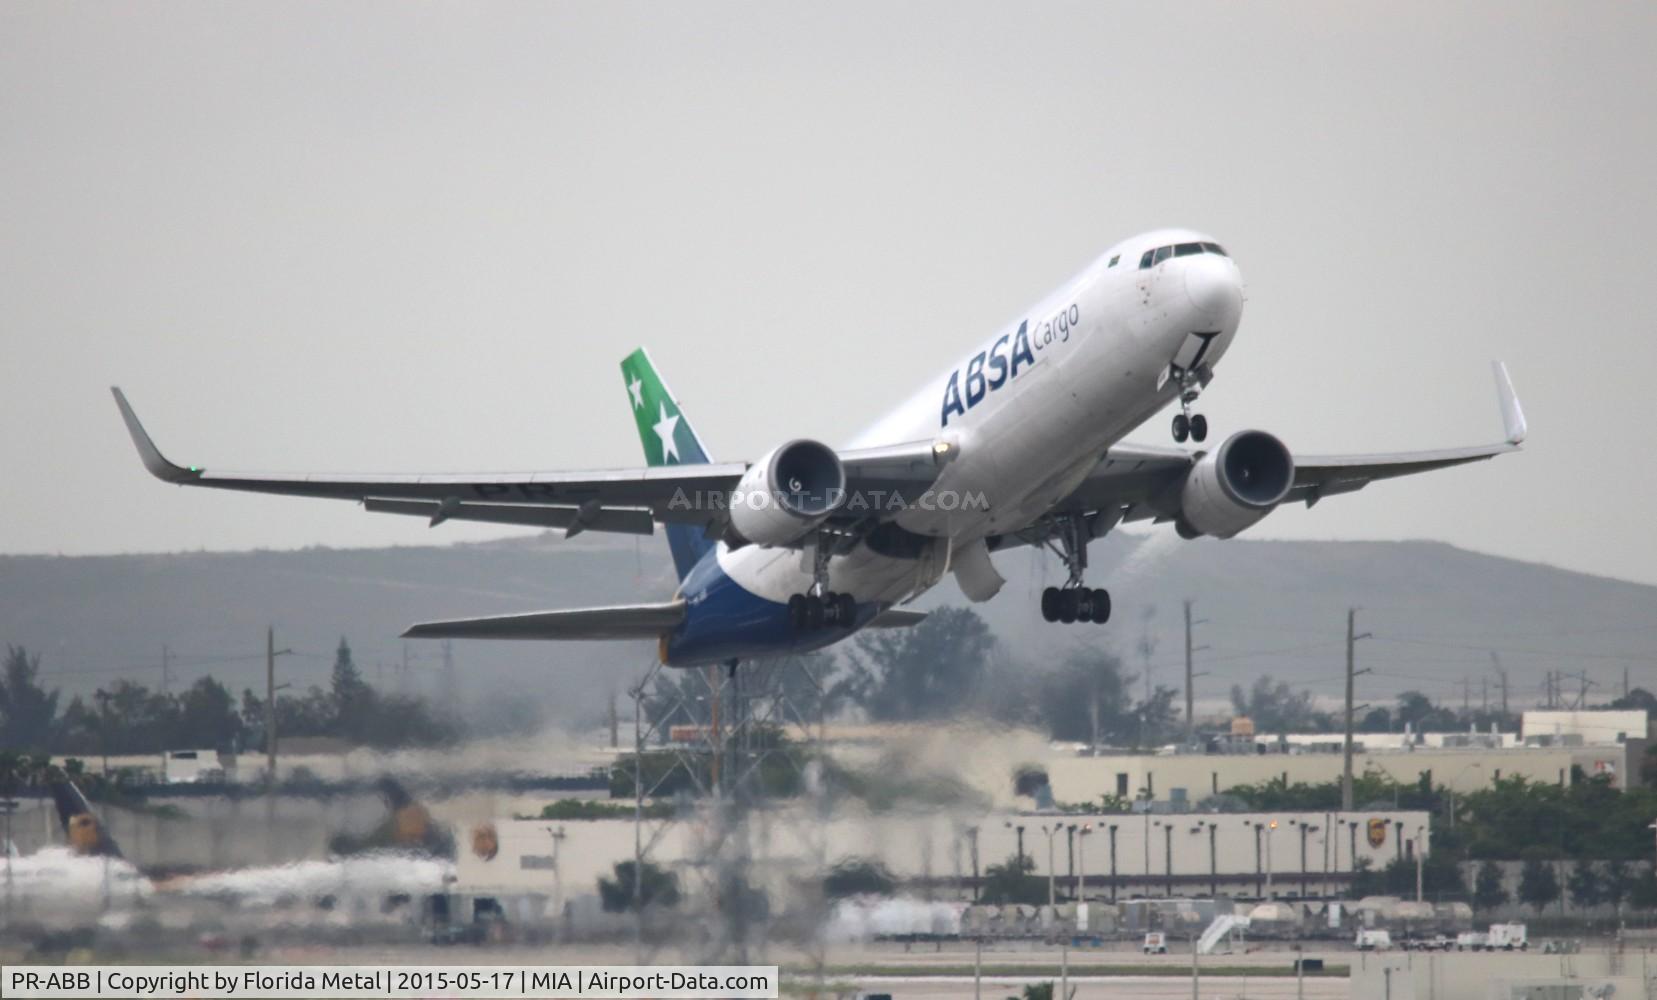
[
  {"x": 1073, "y": 602},
  {"x": 1191, "y": 381}
]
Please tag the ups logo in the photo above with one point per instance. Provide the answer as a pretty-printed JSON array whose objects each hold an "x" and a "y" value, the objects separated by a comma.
[{"x": 1377, "y": 832}]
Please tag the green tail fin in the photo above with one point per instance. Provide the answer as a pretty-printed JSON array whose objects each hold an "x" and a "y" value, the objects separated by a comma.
[{"x": 668, "y": 440}]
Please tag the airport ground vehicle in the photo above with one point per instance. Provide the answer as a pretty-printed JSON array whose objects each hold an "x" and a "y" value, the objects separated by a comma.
[
  {"x": 1156, "y": 943},
  {"x": 1368, "y": 940},
  {"x": 1511, "y": 936}
]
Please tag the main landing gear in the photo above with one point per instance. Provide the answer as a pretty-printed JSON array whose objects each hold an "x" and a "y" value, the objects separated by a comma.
[
  {"x": 1191, "y": 383},
  {"x": 1073, "y": 602},
  {"x": 820, "y": 607},
  {"x": 809, "y": 612}
]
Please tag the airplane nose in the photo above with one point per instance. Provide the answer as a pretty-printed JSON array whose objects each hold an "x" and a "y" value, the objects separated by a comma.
[{"x": 1214, "y": 288}]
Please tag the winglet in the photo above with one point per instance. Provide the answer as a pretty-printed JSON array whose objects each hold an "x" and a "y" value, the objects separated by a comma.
[
  {"x": 1513, "y": 418},
  {"x": 154, "y": 461}
]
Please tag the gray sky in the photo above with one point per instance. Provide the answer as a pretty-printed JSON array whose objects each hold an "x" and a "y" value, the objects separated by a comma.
[{"x": 419, "y": 238}]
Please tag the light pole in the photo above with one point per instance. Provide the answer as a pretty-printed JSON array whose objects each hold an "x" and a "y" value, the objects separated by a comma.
[
  {"x": 1258, "y": 866},
  {"x": 972, "y": 848},
  {"x": 557, "y": 834},
  {"x": 1420, "y": 853},
  {"x": 1271, "y": 828},
  {"x": 1213, "y": 856},
  {"x": 1052, "y": 869},
  {"x": 1020, "y": 830},
  {"x": 1305, "y": 828},
  {"x": 1081, "y": 861},
  {"x": 1167, "y": 857},
  {"x": 1450, "y": 786},
  {"x": 1113, "y": 860}
]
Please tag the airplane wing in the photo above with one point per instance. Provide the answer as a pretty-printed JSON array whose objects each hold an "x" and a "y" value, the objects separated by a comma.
[
  {"x": 1142, "y": 482},
  {"x": 635, "y": 621},
  {"x": 622, "y": 500}
]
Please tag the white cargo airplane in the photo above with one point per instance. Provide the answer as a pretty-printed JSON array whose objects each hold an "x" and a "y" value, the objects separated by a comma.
[{"x": 1018, "y": 443}]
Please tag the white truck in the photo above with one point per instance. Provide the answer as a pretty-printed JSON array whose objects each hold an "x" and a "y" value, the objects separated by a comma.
[
  {"x": 1500, "y": 937},
  {"x": 1508, "y": 937},
  {"x": 1156, "y": 943},
  {"x": 1372, "y": 940}
]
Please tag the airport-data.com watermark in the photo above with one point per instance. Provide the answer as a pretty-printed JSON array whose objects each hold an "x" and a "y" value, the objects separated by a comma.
[
  {"x": 313, "y": 982},
  {"x": 871, "y": 501}
]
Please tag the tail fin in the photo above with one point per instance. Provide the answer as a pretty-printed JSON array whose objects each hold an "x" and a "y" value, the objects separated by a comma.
[
  {"x": 668, "y": 439},
  {"x": 86, "y": 834}
]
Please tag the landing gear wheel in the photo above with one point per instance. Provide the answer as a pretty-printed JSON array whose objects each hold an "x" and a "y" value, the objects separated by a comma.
[
  {"x": 1101, "y": 606},
  {"x": 796, "y": 612},
  {"x": 1050, "y": 604},
  {"x": 1199, "y": 427},
  {"x": 1182, "y": 427},
  {"x": 845, "y": 610},
  {"x": 1067, "y": 606},
  {"x": 1084, "y": 605},
  {"x": 814, "y": 612}
]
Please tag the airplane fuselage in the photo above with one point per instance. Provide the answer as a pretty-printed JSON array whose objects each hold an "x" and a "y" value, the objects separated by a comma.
[{"x": 1025, "y": 415}]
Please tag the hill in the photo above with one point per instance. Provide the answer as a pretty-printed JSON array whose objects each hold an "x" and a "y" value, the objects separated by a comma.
[{"x": 1272, "y": 607}]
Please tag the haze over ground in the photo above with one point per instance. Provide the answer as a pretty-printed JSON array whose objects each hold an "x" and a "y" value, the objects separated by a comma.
[
  {"x": 398, "y": 238},
  {"x": 1271, "y": 607}
]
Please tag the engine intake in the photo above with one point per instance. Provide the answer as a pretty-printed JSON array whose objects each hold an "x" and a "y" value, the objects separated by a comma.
[
  {"x": 1235, "y": 485},
  {"x": 785, "y": 494}
]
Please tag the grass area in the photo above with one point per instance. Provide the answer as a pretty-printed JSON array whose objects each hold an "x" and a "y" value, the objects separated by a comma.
[{"x": 1076, "y": 969}]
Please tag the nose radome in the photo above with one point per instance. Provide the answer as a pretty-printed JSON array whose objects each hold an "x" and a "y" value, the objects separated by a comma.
[{"x": 1214, "y": 287}]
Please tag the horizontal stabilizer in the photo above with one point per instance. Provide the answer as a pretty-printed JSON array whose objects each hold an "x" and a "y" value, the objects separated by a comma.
[{"x": 631, "y": 621}]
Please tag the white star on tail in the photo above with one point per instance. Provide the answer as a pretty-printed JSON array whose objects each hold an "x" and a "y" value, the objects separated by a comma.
[
  {"x": 634, "y": 387},
  {"x": 664, "y": 429}
]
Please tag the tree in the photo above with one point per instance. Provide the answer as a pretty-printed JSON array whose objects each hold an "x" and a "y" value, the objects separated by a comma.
[
  {"x": 656, "y": 887},
  {"x": 28, "y": 712},
  {"x": 1614, "y": 883},
  {"x": 1012, "y": 882},
  {"x": 1489, "y": 892},
  {"x": 1537, "y": 884},
  {"x": 928, "y": 671},
  {"x": 353, "y": 698},
  {"x": 207, "y": 717},
  {"x": 1418, "y": 711},
  {"x": 1275, "y": 708},
  {"x": 1638, "y": 698},
  {"x": 1584, "y": 885},
  {"x": 1086, "y": 700}
]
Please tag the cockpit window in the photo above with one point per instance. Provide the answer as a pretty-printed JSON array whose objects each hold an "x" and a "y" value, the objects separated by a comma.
[{"x": 1152, "y": 258}]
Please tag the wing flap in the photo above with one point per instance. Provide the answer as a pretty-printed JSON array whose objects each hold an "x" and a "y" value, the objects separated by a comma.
[
  {"x": 632, "y": 621},
  {"x": 622, "y": 520}
]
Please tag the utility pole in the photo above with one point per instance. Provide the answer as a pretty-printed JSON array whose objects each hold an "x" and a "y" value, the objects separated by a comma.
[
  {"x": 1190, "y": 677},
  {"x": 1484, "y": 695},
  {"x": 1346, "y": 763},
  {"x": 270, "y": 705},
  {"x": 1466, "y": 695},
  {"x": 167, "y": 670},
  {"x": 1190, "y": 725},
  {"x": 271, "y": 653},
  {"x": 1503, "y": 675}
]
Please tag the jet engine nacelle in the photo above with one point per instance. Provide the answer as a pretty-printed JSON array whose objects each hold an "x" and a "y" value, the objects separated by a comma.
[
  {"x": 785, "y": 494},
  {"x": 1235, "y": 485}
]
